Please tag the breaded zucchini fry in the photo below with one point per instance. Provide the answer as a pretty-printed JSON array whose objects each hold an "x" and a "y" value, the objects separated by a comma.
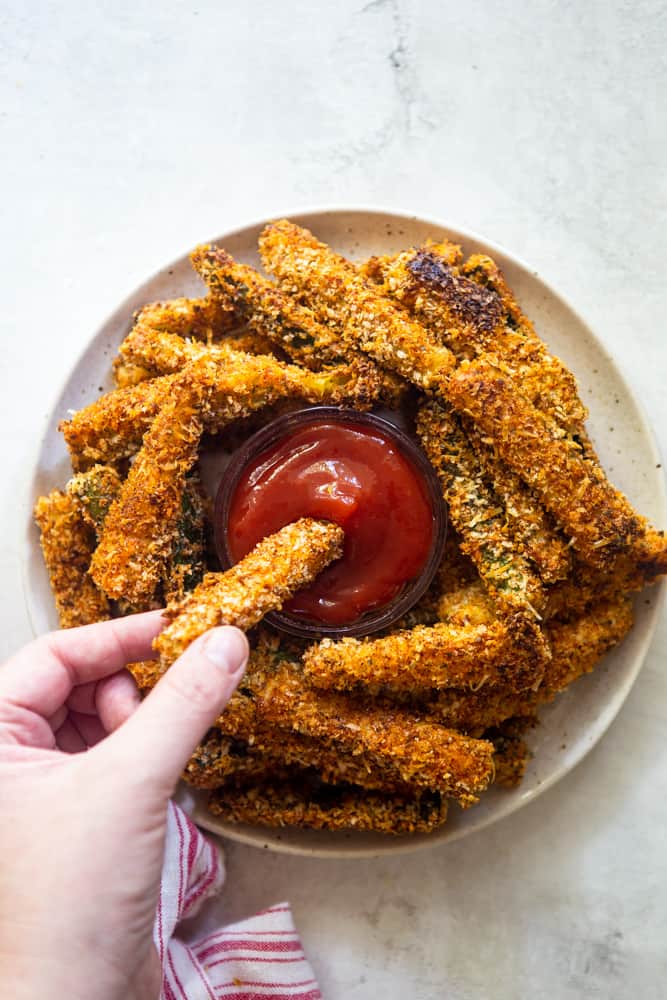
[
  {"x": 161, "y": 353},
  {"x": 534, "y": 534},
  {"x": 354, "y": 384},
  {"x": 140, "y": 528},
  {"x": 439, "y": 656},
  {"x": 275, "y": 569},
  {"x": 304, "y": 801},
  {"x": 186, "y": 564},
  {"x": 203, "y": 319},
  {"x": 477, "y": 512},
  {"x": 473, "y": 319},
  {"x": 632, "y": 571},
  {"x": 112, "y": 427},
  {"x": 576, "y": 648},
  {"x": 598, "y": 518},
  {"x": 221, "y": 757},
  {"x": 291, "y": 326},
  {"x": 341, "y": 297},
  {"x": 93, "y": 492},
  {"x": 419, "y": 753},
  {"x": 67, "y": 545}
]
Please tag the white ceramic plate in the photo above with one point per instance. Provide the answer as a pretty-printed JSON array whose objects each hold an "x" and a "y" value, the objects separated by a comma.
[{"x": 570, "y": 727}]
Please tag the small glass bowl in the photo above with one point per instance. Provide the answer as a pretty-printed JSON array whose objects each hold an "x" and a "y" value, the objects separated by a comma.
[{"x": 374, "y": 619}]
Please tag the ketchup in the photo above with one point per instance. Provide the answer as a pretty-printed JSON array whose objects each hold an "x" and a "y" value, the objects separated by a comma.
[{"x": 357, "y": 477}]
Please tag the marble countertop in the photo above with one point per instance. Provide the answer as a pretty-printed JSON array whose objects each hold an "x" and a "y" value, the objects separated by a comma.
[{"x": 129, "y": 135}]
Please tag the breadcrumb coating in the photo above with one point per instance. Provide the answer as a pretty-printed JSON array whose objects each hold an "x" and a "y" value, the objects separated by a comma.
[
  {"x": 221, "y": 757},
  {"x": 306, "y": 802},
  {"x": 93, "y": 492},
  {"x": 439, "y": 656},
  {"x": 290, "y": 325},
  {"x": 141, "y": 526},
  {"x": 532, "y": 528},
  {"x": 473, "y": 319},
  {"x": 112, "y": 428},
  {"x": 276, "y": 568},
  {"x": 596, "y": 516},
  {"x": 477, "y": 512},
  {"x": 576, "y": 648},
  {"x": 341, "y": 297},
  {"x": 67, "y": 545},
  {"x": 420, "y": 753}
]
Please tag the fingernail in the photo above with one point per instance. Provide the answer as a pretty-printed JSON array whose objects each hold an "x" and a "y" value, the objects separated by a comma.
[{"x": 228, "y": 648}]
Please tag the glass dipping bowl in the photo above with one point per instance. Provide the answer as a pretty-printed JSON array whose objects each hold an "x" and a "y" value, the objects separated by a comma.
[{"x": 376, "y": 618}]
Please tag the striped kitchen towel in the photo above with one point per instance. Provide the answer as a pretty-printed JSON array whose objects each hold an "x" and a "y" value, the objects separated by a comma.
[{"x": 256, "y": 959}]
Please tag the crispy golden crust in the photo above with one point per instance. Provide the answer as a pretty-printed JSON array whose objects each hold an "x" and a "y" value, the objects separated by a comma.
[
  {"x": 642, "y": 566},
  {"x": 186, "y": 564},
  {"x": 163, "y": 353},
  {"x": 340, "y": 296},
  {"x": 67, "y": 545},
  {"x": 511, "y": 751},
  {"x": 112, "y": 428},
  {"x": 201, "y": 319},
  {"x": 477, "y": 512},
  {"x": 275, "y": 569},
  {"x": 576, "y": 648},
  {"x": 469, "y": 603},
  {"x": 440, "y": 656},
  {"x": 598, "y": 518},
  {"x": 141, "y": 526},
  {"x": 290, "y": 325},
  {"x": 221, "y": 757},
  {"x": 421, "y": 754},
  {"x": 472, "y": 318},
  {"x": 93, "y": 492},
  {"x": 304, "y": 801},
  {"x": 534, "y": 534}
]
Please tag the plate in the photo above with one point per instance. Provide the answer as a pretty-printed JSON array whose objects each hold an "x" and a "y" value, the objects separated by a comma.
[{"x": 575, "y": 722}]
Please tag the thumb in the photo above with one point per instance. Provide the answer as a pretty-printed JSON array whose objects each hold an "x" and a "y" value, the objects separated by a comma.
[{"x": 156, "y": 742}]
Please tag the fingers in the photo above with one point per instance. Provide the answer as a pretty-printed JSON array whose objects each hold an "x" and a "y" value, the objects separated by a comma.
[
  {"x": 116, "y": 698},
  {"x": 41, "y": 676},
  {"x": 156, "y": 742}
]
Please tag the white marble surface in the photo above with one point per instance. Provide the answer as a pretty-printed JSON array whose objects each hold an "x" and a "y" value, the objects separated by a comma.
[{"x": 130, "y": 131}]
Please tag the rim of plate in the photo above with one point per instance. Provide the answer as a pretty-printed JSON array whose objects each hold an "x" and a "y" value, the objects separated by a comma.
[{"x": 270, "y": 838}]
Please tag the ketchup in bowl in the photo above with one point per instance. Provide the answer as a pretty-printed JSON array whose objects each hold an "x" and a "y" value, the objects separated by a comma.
[{"x": 359, "y": 471}]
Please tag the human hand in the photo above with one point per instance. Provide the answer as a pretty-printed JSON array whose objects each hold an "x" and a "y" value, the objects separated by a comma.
[{"x": 82, "y": 833}]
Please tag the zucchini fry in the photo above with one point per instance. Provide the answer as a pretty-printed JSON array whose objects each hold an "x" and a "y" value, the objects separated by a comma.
[
  {"x": 305, "y": 801},
  {"x": 93, "y": 492},
  {"x": 598, "y": 518},
  {"x": 221, "y": 757},
  {"x": 440, "y": 656},
  {"x": 112, "y": 428},
  {"x": 632, "y": 571},
  {"x": 275, "y": 569},
  {"x": 530, "y": 525},
  {"x": 163, "y": 353},
  {"x": 140, "y": 527},
  {"x": 203, "y": 319},
  {"x": 186, "y": 564},
  {"x": 576, "y": 648},
  {"x": 67, "y": 545},
  {"x": 473, "y": 319},
  {"x": 340, "y": 296},
  {"x": 478, "y": 513},
  {"x": 291, "y": 326},
  {"x": 419, "y": 753}
]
